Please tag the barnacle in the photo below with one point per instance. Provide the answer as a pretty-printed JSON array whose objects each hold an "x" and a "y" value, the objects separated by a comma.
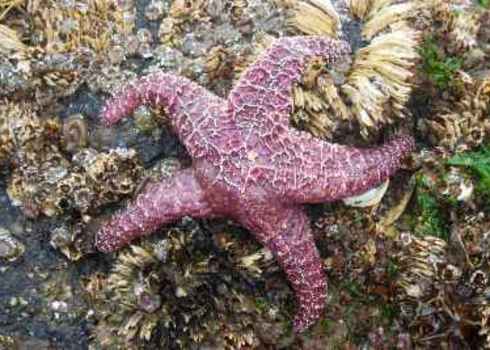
[
  {"x": 455, "y": 63},
  {"x": 443, "y": 302},
  {"x": 74, "y": 133},
  {"x": 70, "y": 240},
  {"x": 184, "y": 8},
  {"x": 461, "y": 123},
  {"x": 421, "y": 265},
  {"x": 22, "y": 133},
  {"x": 175, "y": 293},
  {"x": 44, "y": 181},
  {"x": 69, "y": 26},
  {"x": 375, "y": 88},
  {"x": 218, "y": 63},
  {"x": 56, "y": 43},
  {"x": 109, "y": 175},
  {"x": 238, "y": 9},
  {"x": 459, "y": 27},
  {"x": 10, "y": 247}
]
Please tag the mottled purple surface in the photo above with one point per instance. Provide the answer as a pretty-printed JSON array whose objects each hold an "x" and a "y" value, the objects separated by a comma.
[{"x": 250, "y": 165}]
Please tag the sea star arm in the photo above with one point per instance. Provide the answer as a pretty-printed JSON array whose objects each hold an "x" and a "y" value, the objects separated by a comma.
[
  {"x": 327, "y": 172},
  {"x": 287, "y": 234},
  {"x": 197, "y": 116},
  {"x": 159, "y": 204},
  {"x": 262, "y": 97}
]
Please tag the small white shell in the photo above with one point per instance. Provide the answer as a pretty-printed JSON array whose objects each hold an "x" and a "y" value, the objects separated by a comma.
[{"x": 369, "y": 198}]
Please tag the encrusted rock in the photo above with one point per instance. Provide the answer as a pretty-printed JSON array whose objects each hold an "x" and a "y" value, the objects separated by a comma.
[{"x": 174, "y": 293}]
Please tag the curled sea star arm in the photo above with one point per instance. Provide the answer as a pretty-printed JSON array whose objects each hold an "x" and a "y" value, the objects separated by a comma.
[
  {"x": 197, "y": 116},
  {"x": 287, "y": 233},
  {"x": 262, "y": 97},
  {"x": 328, "y": 172},
  {"x": 160, "y": 203}
]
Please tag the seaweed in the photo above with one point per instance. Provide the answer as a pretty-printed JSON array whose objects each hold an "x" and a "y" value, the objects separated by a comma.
[
  {"x": 484, "y": 3},
  {"x": 430, "y": 219},
  {"x": 439, "y": 68}
]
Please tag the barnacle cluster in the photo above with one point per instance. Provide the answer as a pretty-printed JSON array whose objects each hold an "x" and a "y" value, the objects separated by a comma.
[
  {"x": 68, "y": 26},
  {"x": 372, "y": 91},
  {"x": 174, "y": 292},
  {"x": 461, "y": 123},
  {"x": 15, "y": 117},
  {"x": 55, "y": 185},
  {"x": 442, "y": 290},
  {"x": 179, "y": 16},
  {"x": 456, "y": 61},
  {"x": 50, "y": 47},
  {"x": 44, "y": 180}
]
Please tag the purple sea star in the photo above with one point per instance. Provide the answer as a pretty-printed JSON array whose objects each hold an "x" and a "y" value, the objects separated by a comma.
[{"x": 250, "y": 165}]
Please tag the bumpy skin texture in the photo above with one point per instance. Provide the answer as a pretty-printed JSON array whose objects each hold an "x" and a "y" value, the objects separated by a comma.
[{"x": 250, "y": 165}]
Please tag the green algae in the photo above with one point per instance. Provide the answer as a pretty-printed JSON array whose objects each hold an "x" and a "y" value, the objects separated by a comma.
[
  {"x": 429, "y": 218},
  {"x": 439, "y": 68},
  {"x": 478, "y": 163}
]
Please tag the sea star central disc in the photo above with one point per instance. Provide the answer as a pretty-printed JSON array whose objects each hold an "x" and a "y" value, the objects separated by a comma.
[{"x": 250, "y": 165}]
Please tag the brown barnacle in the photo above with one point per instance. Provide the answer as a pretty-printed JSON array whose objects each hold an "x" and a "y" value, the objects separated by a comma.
[
  {"x": 330, "y": 93},
  {"x": 144, "y": 35},
  {"x": 70, "y": 240},
  {"x": 10, "y": 247},
  {"x": 145, "y": 43},
  {"x": 420, "y": 264},
  {"x": 479, "y": 281},
  {"x": 6, "y": 140},
  {"x": 237, "y": 9},
  {"x": 315, "y": 17},
  {"x": 20, "y": 129},
  {"x": 109, "y": 175},
  {"x": 168, "y": 30},
  {"x": 117, "y": 54},
  {"x": 74, "y": 133},
  {"x": 73, "y": 192},
  {"x": 66, "y": 26},
  {"x": 188, "y": 9},
  {"x": 311, "y": 112},
  {"x": 8, "y": 342},
  {"x": 461, "y": 123},
  {"x": 180, "y": 8},
  {"x": 217, "y": 63},
  {"x": 368, "y": 252}
]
